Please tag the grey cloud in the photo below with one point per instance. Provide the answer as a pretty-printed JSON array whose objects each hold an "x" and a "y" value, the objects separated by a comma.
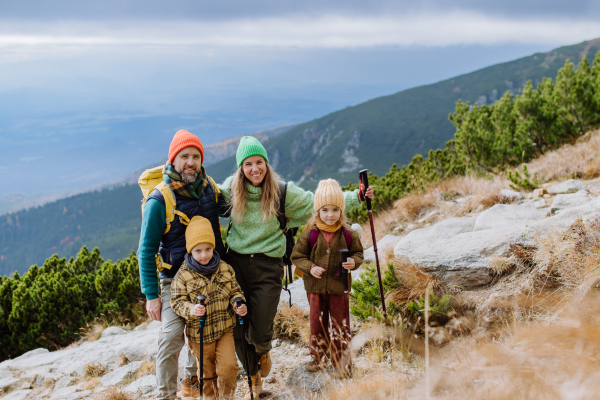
[{"x": 235, "y": 9}]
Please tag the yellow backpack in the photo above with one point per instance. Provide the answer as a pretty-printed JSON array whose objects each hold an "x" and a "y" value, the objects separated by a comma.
[{"x": 153, "y": 179}]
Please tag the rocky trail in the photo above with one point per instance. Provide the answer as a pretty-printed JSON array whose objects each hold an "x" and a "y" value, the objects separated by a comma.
[{"x": 461, "y": 251}]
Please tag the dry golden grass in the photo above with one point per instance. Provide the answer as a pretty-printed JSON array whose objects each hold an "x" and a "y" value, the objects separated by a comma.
[
  {"x": 94, "y": 370},
  {"x": 414, "y": 282},
  {"x": 292, "y": 323},
  {"x": 146, "y": 369},
  {"x": 501, "y": 265},
  {"x": 90, "y": 384},
  {"x": 136, "y": 316},
  {"x": 113, "y": 393},
  {"x": 571, "y": 160}
]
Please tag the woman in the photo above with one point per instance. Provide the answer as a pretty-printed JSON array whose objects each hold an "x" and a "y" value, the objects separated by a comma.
[{"x": 257, "y": 245}]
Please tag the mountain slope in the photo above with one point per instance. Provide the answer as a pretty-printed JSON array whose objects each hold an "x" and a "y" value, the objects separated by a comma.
[{"x": 392, "y": 129}]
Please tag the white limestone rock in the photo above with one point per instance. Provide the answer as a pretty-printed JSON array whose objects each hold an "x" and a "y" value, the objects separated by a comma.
[
  {"x": 120, "y": 374},
  {"x": 566, "y": 201},
  {"x": 113, "y": 330},
  {"x": 385, "y": 244},
  {"x": 568, "y": 186},
  {"x": 6, "y": 382},
  {"x": 64, "y": 382},
  {"x": 146, "y": 384},
  {"x": 18, "y": 394},
  {"x": 511, "y": 194}
]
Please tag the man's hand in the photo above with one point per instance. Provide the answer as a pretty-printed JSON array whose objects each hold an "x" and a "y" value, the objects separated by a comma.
[
  {"x": 316, "y": 271},
  {"x": 350, "y": 264},
  {"x": 154, "y": 307}
]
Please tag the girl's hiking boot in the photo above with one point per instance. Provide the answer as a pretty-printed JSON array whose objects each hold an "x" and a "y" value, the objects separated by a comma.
[
  {"x": 265, "y": 365},
  {"x": 190, "y": 388},
  {"x": 313, "y": 366},
  {"x": 256, "y": 387}
]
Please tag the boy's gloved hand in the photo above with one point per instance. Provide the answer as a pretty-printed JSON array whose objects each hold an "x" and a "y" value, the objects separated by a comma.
[
  {"x": 241, "y": 310},
  {"x": 199, "y": 310},
  {"x": 317, "y": 271},
  {"x": 350, "y": 264}
]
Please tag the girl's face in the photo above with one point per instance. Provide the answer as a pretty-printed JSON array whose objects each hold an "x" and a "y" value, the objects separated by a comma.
[
  {"x": 202, "y": 253},
  {"x": 330, "y": 214},
  {"x": 255, "y": 168}
]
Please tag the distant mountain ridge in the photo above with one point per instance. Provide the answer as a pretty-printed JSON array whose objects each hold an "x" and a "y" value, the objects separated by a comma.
[
  {"x": 374, "y": 135},
  {"x": 393, "y": 129}
]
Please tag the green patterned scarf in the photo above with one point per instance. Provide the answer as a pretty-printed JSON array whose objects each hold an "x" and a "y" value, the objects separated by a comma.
[{"x": 193, "y": 190}]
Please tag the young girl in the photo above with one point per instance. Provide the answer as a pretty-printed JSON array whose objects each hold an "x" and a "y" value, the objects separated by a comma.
[{"x": 320, "y": 261}]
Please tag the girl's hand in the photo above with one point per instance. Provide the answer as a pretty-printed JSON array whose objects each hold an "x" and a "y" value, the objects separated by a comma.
[
  {"x": 316, "y": 271},
  {"x": 370, "y": 193},
  {"x": 349, "y": 264},
  {"x": 241, "y": 310},
  {"x": 199, "y": 310}
]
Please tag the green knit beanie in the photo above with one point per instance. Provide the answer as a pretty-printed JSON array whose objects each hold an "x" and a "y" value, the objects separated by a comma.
[{"x": 250, "y": 146}]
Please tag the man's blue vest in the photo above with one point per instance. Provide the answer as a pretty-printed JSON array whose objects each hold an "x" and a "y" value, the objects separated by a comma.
[{"x": 172, "y": 246}]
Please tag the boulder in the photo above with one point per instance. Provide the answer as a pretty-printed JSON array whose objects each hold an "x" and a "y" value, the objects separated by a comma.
[
  {"x": 113, "y": 330},
  {"x": 569, "y": 186},
  {"x": 70, "y": 393},
  {"x": 302, "y": 380},
  {"x": 298, "y": 295},
  {"x": 385, "y": 244},
  {"x": 146, "y": 384},
  {"x": 538, "y": 202},
  {"x": 18, "y": 395},
  {"x": 511, "y": 194},
  {"x": 153, "y": 325},
  {"x": 565, "y": 201},
  {"x": 4, "y": 373},
  {"x": 538, "y": 193},
  {"x": 358, "y": 229},
  {"x": 458, "y": 250}
]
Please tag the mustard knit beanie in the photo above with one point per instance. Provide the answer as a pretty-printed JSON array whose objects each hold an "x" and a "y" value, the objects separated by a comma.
[
  {"x": 199, "y": 231},
  {"x": 329, "y": 192}
]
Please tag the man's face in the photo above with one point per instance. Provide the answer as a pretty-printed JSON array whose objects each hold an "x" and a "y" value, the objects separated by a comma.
[{"x": 187, "y": 163}]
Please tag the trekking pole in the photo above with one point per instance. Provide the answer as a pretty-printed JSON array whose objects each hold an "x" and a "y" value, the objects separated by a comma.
[
  {"x": 364, "y": 179},
  {"x": 202, "y": 320},
  {"x": 345, "y": 253},
  {"x": 238, "y": 303},
  {"x": 288, "y": 279}
]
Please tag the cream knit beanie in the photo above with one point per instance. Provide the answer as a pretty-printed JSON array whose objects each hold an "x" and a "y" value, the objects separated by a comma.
[{"x": 329, "y": 192}]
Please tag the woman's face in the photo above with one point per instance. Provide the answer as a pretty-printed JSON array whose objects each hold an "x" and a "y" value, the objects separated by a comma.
[
  {"x": 330, "y": 214},
  {"x": 255, "y": 169}
]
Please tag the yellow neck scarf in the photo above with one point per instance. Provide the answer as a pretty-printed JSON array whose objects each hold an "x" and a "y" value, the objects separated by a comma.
[{"x": 328, "y": 228}]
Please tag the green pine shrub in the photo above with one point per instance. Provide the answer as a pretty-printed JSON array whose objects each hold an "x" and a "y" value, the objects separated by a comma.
[
  {"x": 525, "y": 181},
  {"x": 492, "y": 138},
  {"x": 439, "y": 308},
  {"x": 48, "y": 305},
  {"x": 365, "y": 299}
]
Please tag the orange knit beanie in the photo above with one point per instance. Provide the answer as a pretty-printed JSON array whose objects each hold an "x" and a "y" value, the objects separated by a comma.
[{"x": 181, "y": 140}]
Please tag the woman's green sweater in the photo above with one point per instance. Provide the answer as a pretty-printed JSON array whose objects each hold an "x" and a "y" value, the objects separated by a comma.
[{"x": 253, "y": 235}]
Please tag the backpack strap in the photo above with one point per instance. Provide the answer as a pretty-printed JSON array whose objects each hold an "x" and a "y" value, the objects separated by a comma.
[
  {"x": 313, "y": 237},
  {"x": 347, "y": 236},
  {"x": 215, "y": 188},
  {"x": 170, "y": 205},
  {"x": 281, "y": 211}
]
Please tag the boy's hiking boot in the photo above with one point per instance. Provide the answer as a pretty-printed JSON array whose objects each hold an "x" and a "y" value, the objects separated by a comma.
[
  {"x": 265, "y": 365},
  {"x": 190, "y": 388},
  {"x": 313, "y": 366},
  {"x": 256, "y": 387}
]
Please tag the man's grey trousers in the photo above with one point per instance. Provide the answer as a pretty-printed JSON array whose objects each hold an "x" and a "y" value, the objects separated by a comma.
[{"x": 170, "y": 341}]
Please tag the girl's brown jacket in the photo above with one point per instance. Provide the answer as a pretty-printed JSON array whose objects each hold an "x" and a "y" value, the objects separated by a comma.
[{"x": 326, "y": 256}]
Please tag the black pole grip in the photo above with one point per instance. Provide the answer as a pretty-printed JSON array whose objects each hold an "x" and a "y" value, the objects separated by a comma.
[
  {"x": 201, "y": 300},
  {"x": 344, "y": 254},
  {"x": 363, "y": 177},
  {"x": 238, "y": 303}
]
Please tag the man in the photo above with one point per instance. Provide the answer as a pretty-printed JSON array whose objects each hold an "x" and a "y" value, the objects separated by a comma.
[{"x": 195, "y": 195}]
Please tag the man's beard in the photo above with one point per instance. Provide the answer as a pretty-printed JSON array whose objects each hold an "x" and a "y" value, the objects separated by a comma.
[{"x": 188, "y": 176}]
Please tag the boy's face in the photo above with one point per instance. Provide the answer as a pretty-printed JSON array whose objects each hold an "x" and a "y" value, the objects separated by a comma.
[
  {"x": 330, "y": 214},
  {"x": 202, "y": 253}
]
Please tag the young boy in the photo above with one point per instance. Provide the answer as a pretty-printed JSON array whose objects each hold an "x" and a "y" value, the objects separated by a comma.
[{"x": 203, "y": 273}]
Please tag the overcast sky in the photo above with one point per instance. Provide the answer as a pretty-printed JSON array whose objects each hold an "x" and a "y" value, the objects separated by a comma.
[{"x": 72, "y": 70}]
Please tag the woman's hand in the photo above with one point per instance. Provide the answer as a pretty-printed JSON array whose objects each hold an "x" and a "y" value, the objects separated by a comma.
[
  {"x": 370, "y": 192},
  {"x": 199, "y": 310},
  {"x": 350, "y": 264},
  {"x": 241, "y": 310},
  {"x": 316, "y": 271}
]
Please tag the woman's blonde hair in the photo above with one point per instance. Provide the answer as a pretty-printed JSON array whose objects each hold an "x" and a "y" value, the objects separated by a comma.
[
  {"x": 312, "y": 224},
  {"x": 269, "y": 195}
]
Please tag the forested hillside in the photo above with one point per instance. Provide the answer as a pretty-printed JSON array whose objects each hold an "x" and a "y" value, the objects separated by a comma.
[{"x": 392, "y": 129}]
